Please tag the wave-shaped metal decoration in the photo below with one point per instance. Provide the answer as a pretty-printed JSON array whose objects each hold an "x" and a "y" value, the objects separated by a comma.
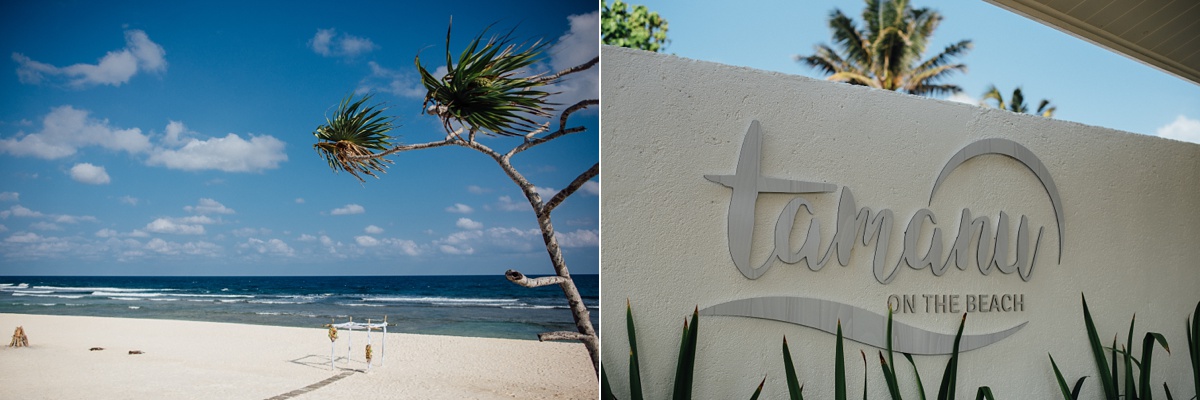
[{"x": 858, "y": 324}]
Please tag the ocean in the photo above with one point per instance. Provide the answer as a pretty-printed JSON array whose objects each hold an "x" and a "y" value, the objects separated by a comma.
[{"x": 478, "y": 306}]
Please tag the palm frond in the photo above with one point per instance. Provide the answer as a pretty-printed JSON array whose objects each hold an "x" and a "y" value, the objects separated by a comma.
[
  {"x": 993, "y": 94},
  {"x": 847, "y": 37},
  {"x": 484, "y": 92},
  {"x": 354, "y": 131}
]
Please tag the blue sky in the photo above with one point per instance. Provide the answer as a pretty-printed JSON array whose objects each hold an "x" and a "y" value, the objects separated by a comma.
[
  {"x": 156, "y": 138},
  {"x": 1089, "y": 84}
]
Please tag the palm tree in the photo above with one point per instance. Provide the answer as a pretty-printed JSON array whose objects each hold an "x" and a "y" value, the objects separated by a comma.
[
  {"x": 1018, "y": 102},
  {"x": 886, "y": 53},
  {"x": 485, "y": 92}
]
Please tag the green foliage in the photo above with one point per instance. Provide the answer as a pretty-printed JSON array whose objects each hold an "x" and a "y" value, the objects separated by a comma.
[
  {"x": 950, "y": 377},
  {"x": 683, "y": 368},
  {"x": 1193, "y": 338},
  {"x": 795, "y": 389},
  {"x": 839, "y": 367},
  {"x": 687, "y": 358},
  {"x": 1068, "y": 394},
  {"x": 482, "y": 91},
  {"x": 887, "y": 52},
  {"x": 984, "y": 392},
  {"x": 1108, "y": 372},
  {"x": 1017, "y": 103},
  {"x": 759, "y": 390},
  {"x": 354, "y": 131},
  {"x": 635, "y": 373},
  {"x": 637, "y": 29}
]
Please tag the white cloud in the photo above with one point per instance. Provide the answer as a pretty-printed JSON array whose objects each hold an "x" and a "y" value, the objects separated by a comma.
[
  {"x": 195, "y": 219},
  {"x": 962, "y": 97},
  {"x": 24, "y": 237},
  {"x": 467, "y": 223},
  {"x": 65, "y": 130},
  {"x": 578, "y": 238},
  {"x": 546, "y": 193},
  {"x": 90, "y": 174},
  {"x": 20, "y": 211},
  {"x": 166, "y": 225},
  {"x": 349, "y": 209},
  {"x": 591, "y": 187},
  {"x": 460, "y": 208},
  {"x": 3, "y": 228},
  {"x": 130, "y": 200},
  {"x": 200, "y": 248},
  {"x": 402, "y": 83},
  {"x": 372, "y": 229},
  {"x": 456, "y": 250},
  {"x": 115, "y": 68},
  {"x": 10, "y": 196},
  {"x": 106, "y": 233},
  {"x": 299, "y": 200},
  {"x": 250, "y": 232},
  {"x": 231, "y": 153},
  {"x": 477, "y": 190},
  {"x": 328, "y": 43},
  {"x": 307, "y": 238},
  {"x": 269, "y": 247},
  {"x": 577, "y": 46},
  {"x": 366, "y": 241},
  {"x": 1182, "y": 128},
  {"x": 325, "y": 240},
  {"x": 507, "y": 204},
  {"x": 71, "y": 219},
  {"x": 45, "y": 226},
  {"x": 175, "y": 134},
  {"x": 209, "y": 206}
]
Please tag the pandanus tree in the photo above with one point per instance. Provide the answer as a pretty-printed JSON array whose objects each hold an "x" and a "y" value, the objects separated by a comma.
[
  {"x": 1016, "y": 103},
  {"x": 887, "y": 52},
  {"x": 488, "y": 90}
]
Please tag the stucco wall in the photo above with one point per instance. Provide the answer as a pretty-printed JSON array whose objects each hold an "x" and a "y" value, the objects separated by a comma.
[{"x": 1130, "y": 234}]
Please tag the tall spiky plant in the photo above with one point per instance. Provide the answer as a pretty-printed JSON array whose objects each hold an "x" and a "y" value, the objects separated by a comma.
[
  {"x": 354, "y": 132},
  {"x": 1016, "y": 103},
  {"x": 484, "y": 92},
  {"x": 887, "y": 52}
]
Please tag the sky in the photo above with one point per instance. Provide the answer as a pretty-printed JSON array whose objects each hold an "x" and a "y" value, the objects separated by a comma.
[
  {"x": 1088, "y": 84},
  {"x": 174, "y": 138}
]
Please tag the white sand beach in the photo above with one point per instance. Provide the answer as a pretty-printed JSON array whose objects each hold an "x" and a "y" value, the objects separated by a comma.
[{"x": 187, "y": 360}]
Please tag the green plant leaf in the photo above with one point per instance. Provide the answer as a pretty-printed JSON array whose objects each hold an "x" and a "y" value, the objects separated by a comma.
[
  {"x": 839, "y": 367},
  {"x": 1106, "y": 378},
  {"x": 889, "y": 365},
  {"x": 759, "y": 390},
  {"x": 795, "y": 391},
  {"x": 1130, "y": 386},
  {"x": 1062, "y": 383},
  {"x": 983, "y": 393},
  {"x": 1130, "y": 390},
  {"x": 917, "y": 374},
  {"x": 1168, "y": 391},
  {"x": 889, "y": 377},
  {"x": 1147, "y": 353},
  {"x": 1078, "y": 386},
  {"x": 635, "y": 373},
  {"x": 606, "y": 392},
  {"x": 864, "y": 357},
  {"x": 687, "y": 358},
  {"x": 1193, "y": 337},
  {"x": 950, "y": 377}
]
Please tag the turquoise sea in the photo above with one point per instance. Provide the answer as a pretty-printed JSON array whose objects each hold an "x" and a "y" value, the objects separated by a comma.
[{"x": 479, "y": 306}]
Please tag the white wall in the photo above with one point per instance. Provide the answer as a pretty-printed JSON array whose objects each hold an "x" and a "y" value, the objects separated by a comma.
[{"x": 1131, "y": 230}]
